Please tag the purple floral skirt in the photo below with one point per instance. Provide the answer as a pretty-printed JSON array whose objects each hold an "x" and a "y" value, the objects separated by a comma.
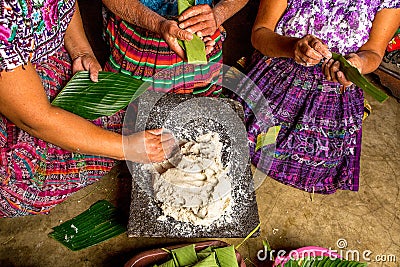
[{"x": 318, "y": 146}]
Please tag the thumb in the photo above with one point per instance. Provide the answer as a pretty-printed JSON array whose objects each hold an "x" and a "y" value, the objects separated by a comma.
[{"x": 183, "y": 35}]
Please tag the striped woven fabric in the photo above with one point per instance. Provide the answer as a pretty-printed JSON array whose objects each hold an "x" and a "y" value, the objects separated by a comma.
[{"x": 145, "y": 55}]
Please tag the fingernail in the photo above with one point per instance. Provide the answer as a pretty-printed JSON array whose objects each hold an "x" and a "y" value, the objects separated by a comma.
[
  {"x": 199, "y": 34},
  {"x": 181, "y": 26}
]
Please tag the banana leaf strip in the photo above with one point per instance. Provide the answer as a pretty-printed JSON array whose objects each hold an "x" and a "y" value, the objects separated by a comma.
[
  {"x": 91, "y": 100},
  {"x": 100, "y": 222},
  {"x": 353, "y": 75},
  {"x": 185, "y": 255},
  {"x": 210, "y": 261},
  {"x": 170, "y": 263},
  {"x": 257, "y": 228},
  {"x": 184, "y": 4},
  {"x": 206, "y": 250},
  {"x": 202, "y": 255},
  {"x": 195, "y": 49},
  {"x": 268, "y": 138},
  {"x": 226, "y": 256}
]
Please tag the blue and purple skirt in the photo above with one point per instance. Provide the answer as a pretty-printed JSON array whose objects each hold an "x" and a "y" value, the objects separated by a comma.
[{"x": 318, "y": 146}]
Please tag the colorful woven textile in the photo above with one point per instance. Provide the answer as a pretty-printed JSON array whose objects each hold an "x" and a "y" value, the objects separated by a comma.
[
  {"x": 31, "y": 30},
  {"x": 145, "y": 55},
  {"x": 319, "y": 144},
  {"x": 35, "y": 175}
]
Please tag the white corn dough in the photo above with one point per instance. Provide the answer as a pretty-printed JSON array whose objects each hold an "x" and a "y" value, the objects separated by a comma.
[{"x": 197, "y": 189}]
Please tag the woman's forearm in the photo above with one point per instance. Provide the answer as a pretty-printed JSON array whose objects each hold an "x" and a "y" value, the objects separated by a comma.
[
  {"x": 135, "y": 13},
  {"x": 263, "y": 36},
  {"x": 226, "y": 9},
  {"x": 370, "y": 61},
  {"x": 23, "y": 101},
  {"x": 76, "y": 42},
  {"x": 384, "y": 26},
  {"x": 272, "y": 44}
]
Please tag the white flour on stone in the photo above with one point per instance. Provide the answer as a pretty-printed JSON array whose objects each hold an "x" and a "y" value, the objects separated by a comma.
[{"x": 197, "y": 189}]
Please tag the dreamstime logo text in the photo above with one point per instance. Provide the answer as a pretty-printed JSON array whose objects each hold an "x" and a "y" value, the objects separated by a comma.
[{"x": 342, "y": 252}]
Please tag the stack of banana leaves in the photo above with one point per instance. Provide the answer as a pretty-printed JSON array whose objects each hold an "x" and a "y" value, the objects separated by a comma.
[{"x": 208, "y": 257}]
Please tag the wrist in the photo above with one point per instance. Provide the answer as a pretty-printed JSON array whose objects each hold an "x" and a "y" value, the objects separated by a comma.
[
  {"x": 161, "y": 26},
  {"x": 81, "y": 53},
  {"x": 218, "y": 18}
]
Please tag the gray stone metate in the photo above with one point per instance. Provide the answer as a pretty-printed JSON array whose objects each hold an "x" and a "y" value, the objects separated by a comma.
[{"x": 187, "y": 117}]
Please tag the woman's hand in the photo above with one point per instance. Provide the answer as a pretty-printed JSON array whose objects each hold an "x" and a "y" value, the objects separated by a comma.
[
  {"x": 199, "y": 19},
  {"x": 171, "y": 32},
  {"x": 149, "y": 146},
  {"x": 331, "y": 69},
  {"x": 310, "y": 50},
  {"x": 87, "y": 62},
  {"x": 209, "y": 43}
]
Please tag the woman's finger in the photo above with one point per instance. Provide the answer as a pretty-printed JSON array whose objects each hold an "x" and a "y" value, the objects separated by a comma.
[
  {"x": 194, "y": 11},
  {"x": 342, "y": 79},
  {"x": 333, "y": 70},
  {"x": 173, "y": 44},
  {"x": 94, "y": 70},
  {"x": 203, "y": 28},
  {"x": 321, "y": 48},
  {"x": 327, "y": 66},
  {"x": 183, "y": 35}
]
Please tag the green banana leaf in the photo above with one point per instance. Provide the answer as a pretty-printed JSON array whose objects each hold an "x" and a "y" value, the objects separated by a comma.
[
  {"x": 226, "y": 256},
  {"x": 97, "y": 224},
  {"x": 210, "y": 261},
  {"x": 185, "y": 255},
  {"x": 202, "y": 255},
  {"x": 184, "y": 4},
  {"x": 195, "y": 49},
  {"x": 264, "y": 139},
  {"x": 206, "y": 250},
  {"x": 91, "y": 100},
  {"x": 170, "y": 263},
  {"x": 353, "y": 75}
]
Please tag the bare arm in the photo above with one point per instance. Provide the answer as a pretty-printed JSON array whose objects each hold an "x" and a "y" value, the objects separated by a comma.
[
  {"x": 385, "y": 24},
  {"x": 24, "y": 102},
  {"x": 137, "y": 14},
  {"x": 226, "y": 9},
  {"x": 263, "y": 37},
  {"x": 79, "y": 48},
  {"x": 368, "y": 58},
  {"x": 204, "y": 20},
  {"x": 308, "y": 50}
]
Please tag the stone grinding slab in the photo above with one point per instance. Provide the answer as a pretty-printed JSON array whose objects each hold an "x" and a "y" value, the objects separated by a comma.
[{"x": 187, "y": 117}]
